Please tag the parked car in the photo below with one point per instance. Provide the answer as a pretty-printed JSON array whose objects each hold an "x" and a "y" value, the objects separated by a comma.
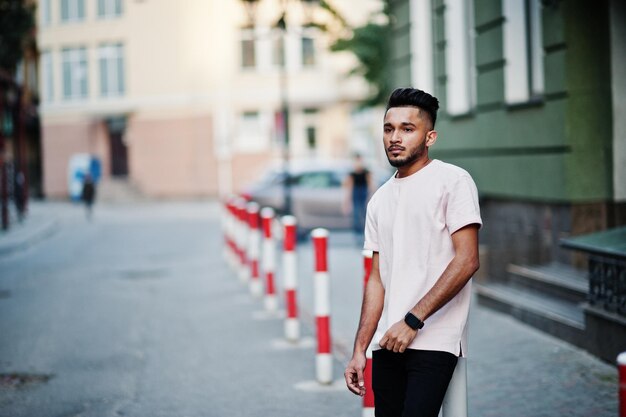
[{"x": 317, "y": 194}]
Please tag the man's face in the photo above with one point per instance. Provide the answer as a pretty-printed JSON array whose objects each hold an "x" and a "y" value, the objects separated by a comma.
[{"x": 407, "y": 134}]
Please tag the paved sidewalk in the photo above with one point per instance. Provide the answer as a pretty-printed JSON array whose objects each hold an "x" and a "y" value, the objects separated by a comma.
[{"x": 239, "y": 366}]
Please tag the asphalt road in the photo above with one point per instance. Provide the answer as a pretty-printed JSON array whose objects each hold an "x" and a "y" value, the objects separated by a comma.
[{"x": 136, "y": 314}]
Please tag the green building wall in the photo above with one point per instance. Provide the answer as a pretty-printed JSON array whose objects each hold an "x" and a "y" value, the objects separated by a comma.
[{"x": 557, "y": 149}]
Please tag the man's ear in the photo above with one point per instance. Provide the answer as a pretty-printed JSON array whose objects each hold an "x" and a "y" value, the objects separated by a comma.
[{"x": 431, "y": 138}]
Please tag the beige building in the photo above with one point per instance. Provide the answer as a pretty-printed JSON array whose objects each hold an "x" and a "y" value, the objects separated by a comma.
[{"x": 182, "y": 99}]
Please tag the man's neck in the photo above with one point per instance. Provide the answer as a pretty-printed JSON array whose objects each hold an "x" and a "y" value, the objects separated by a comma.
[{"x": 408, "y": 170}]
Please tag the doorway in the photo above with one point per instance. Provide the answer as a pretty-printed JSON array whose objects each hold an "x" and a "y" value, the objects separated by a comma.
[{"x": 119, "y": 151}]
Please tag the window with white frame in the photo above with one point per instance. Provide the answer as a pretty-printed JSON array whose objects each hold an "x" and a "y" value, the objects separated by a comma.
[
  {"x": 248, "y": 49},
  {"x": 45, "y": 14},
  {"x": 278, "y": 49},
  {"x": 308, "y": 51},
  {"x": 111, "y": 64},
  {"x": 310, "y": 119},
  {"x": 74, "y": 64},
  {"x": 523, "y": 51},
  {"x": 253, "y": 135},
  {"x": 72, "y": 10},
  {"x": 422, "y": 70},
  {"x": 47, "y": 76},
  {"x": 109, "y": 8},
  {"x": 459, "y": 62}
]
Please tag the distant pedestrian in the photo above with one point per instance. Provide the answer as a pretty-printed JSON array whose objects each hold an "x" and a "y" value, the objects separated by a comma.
[
  {"x": 422, "y": 226},
  {"x": 358, "y": 186},
  {"x": 88, "y": 194},
  {"x": 19, "y": 195}
]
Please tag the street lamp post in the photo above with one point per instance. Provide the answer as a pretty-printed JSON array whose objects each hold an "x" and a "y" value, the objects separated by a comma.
[{"x": 281, "y": 25}]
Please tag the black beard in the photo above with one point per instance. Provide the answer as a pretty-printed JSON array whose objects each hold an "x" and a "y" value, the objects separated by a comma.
[{"x": 413, "y": 156}]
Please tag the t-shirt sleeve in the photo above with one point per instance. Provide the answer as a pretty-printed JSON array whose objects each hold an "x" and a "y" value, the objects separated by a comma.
[
  {"x": 462, "y": 208},
  {"x": 371, "y": 227}
]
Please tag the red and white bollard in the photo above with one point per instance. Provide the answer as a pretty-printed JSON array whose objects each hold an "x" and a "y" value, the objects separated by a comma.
[
  {"x": 290, "y": 277},
  {"x": 224, "y": 223},
  {"x": 321, "y": 285},
  {"x": 368, "y": 398},
  {"x": 269, "y": 259},
  {"x": 254, "y": 249},
  {"x": 229, "y": 246},
  {"x": 621, "y": 365},
  {"x": 242, "y": 238}
]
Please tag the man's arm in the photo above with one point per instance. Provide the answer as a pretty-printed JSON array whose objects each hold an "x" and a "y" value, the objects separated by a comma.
[
  {"x": 458, "y": 272},
  {"x": 371, "y": 310}
]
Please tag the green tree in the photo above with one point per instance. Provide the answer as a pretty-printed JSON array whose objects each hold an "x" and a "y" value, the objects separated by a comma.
[
  {"x": 17, "y": 23},
  {"x": 370, "y": 44}
]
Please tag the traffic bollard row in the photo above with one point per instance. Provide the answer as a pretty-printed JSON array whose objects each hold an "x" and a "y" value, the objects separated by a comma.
[{"x": 244, "y": 241}]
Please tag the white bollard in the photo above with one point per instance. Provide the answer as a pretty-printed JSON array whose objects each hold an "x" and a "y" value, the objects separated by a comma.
[
  {"x": 269, "y": 259},
  {"x": 290, "y": 274},
  {"x": 324, "y": 358},
  {"x": 455, "y": 401},
  {"x": 254, "y": 249}
]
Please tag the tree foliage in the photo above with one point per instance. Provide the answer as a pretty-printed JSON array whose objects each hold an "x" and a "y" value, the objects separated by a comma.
[
  {"x": 370, "y": 44},
  {"x": 17, "y": 22}
]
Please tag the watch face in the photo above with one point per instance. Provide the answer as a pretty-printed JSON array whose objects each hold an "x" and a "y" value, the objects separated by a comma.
[{"x": 413, "y": 322}]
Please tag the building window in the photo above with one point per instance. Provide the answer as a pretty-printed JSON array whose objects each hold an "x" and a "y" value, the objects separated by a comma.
[
  {"x": 459, "y": 65},
  {"x": 109, "y": 8},
  {"x": 74, "y": 73},
  {"x": 248, "y": 49},
  {"x": 111, "y": 62},
  {"x": 308, "y": 51},
  {"x": 422, "y": 70},
  {"x": 72, "y": 10},
  {"x": 311, "y": 137},
  {"x": 310, "y": 122},
  {"x": 278, "y": 50},
  {"x": 47, "y": 76},
  {"x": 523, "y": 51},
  {"x": 45, "y": 14},
  {"x": 253, "y": 135}
]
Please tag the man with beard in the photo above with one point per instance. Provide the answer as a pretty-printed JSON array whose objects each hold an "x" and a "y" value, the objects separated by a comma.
[{"x": 422, "y": 226}]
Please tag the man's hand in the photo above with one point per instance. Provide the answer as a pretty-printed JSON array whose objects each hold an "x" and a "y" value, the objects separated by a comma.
[
  {"x": 398, "y": 337},
  {"x": 354, "y": 374}
]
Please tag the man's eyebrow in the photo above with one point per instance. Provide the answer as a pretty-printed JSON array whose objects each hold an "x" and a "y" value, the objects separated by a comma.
[{"x": 407, "y": 124}]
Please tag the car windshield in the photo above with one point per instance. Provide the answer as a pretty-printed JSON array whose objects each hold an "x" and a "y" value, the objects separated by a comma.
[{"x": 318, "y": 179}]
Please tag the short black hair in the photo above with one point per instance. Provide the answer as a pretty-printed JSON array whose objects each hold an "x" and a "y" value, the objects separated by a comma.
[{"x": 412, "y": 97}]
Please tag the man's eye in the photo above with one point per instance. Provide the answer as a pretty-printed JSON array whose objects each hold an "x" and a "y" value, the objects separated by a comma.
[{"x": 408, "y": 129}]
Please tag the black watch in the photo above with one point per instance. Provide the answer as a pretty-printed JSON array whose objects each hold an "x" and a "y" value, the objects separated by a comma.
[{"x": 413, "y": 322}]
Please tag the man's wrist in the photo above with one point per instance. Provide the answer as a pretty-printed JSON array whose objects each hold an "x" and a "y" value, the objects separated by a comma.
[{"x": 413, "y": 321}]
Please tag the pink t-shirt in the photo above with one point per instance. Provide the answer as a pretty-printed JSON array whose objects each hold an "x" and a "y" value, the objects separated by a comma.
[{"x": 409, "y": 223}]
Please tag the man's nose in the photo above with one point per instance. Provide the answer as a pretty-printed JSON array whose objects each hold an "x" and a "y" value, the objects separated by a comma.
[{"x": 395, "y": 137}]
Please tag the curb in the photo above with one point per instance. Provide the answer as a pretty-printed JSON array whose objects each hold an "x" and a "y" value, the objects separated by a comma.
[{"x": 12, "y": 243}]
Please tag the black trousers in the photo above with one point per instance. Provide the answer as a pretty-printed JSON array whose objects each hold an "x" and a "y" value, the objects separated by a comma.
[{"x": 412, "y": 383}]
